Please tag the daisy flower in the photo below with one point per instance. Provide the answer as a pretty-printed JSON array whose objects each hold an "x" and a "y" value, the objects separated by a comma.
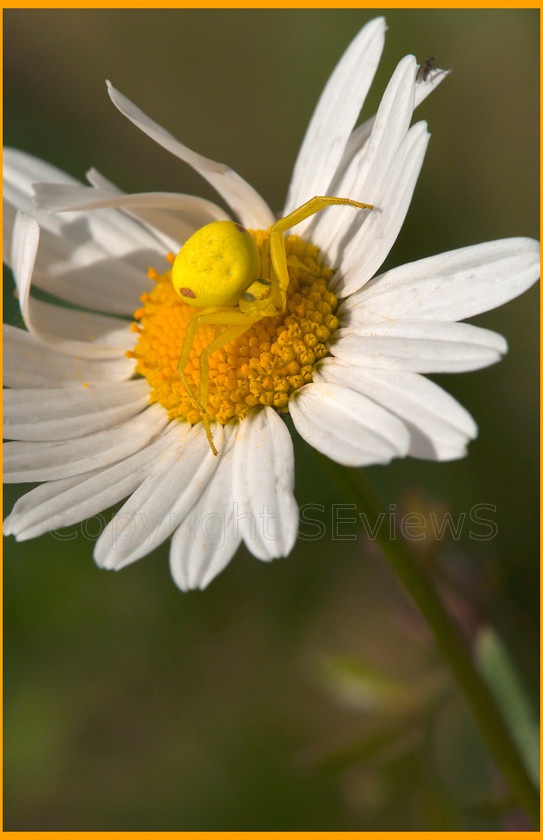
[{"x": 96, "y": 409}]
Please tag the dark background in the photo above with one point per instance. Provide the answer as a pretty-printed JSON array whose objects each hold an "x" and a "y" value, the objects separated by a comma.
[{"x": 303, "y": 694}]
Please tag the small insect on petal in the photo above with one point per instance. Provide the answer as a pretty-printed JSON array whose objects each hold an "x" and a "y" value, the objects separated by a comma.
[{"x": 425, "y": 69}]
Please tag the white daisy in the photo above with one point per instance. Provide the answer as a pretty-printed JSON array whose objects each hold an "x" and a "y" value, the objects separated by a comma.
[{"x": 80, "y": 419}]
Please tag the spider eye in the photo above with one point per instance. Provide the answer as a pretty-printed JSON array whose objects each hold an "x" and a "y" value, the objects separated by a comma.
[{"x": 216, "y": 265}]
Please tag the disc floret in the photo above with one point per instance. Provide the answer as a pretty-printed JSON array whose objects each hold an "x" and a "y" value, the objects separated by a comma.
[{"x": 263, "y": 366}]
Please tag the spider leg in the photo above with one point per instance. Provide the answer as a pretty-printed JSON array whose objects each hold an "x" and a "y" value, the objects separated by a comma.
[
  {"x": 277, "y": 242},
  {"x": 265, "y": 258},
  {"x": 184, "y": 357},
  {"x": 217, "y": 332},
  {"x": 236, "y": 324},
  {"x": 228, "y": 335}
]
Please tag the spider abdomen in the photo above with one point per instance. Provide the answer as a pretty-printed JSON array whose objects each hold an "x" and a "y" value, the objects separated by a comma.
[{"x": 216, "y": 265}]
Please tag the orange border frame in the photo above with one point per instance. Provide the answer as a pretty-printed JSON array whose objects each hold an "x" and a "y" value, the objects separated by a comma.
[
  {"x": 275, "y": 835},
  {"x": 278, "y": 4}
]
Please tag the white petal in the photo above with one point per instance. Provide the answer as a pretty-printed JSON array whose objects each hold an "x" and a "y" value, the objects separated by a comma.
[
  {"x": 194, "y": 211},
  {"x": 164, "y": 224},
  {"x": 56, "y": 326},
  {"x": 263, "y": 484},
  {"x": 78, "y": 259},
  {"x": 83, "y": 275},
  {"x": 65, "y": 413},
  {"x": 26, "y": 237},
  {"x": 335, "y": 115},
  {"x": 114, "y": 232},
  {"x": 425, "y": 86},
  {"x": 39, "y": 461},
  {"x": 178, "y": 215},
  {"x": 8, "y": 222},
  {"x": 106, "y": 284},
  {"x": 246, "y": 203},
  {"x": 366, "y": 177},
  {"x": 96, "y": 259},
  {"x": 439, "y": 426},
  {"x": 77, "y": 333},
  {"x": 162, "y": 501},
  {"x": 419, "y": 346},
  {"x": 360, "y": 135},
  {"x": 30, "y": 364},
  {"x": 20, "y": 170},
  {"x": 450, "y": 286},
  {"x": 208, "y": 538},
  {"x": 368, "y": 248},
  {"x": 57, "y": 198},
  {"x": 57, "y": 504},
  {"x": 346, "y": 426},
  {"x": 25, "y": 522}
]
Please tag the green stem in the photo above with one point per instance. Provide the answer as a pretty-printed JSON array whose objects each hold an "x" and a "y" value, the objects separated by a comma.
[{"x": 449, "y": 641}]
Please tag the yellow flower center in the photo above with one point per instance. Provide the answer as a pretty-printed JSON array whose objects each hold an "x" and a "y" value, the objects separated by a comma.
[{"x": 261, "y": 367}]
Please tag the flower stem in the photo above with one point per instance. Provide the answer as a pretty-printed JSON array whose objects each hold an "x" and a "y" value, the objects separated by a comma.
[{"x": 448, "y": 639}]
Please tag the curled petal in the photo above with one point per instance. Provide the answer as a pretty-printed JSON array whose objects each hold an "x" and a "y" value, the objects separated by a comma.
[{"x": 246, "y": 203}]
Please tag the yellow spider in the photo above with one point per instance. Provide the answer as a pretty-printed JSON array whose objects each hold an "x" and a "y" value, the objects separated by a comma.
[{"x": 219, "y": 271}]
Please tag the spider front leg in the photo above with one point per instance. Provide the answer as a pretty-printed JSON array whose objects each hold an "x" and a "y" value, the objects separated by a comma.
[
  {"x": 236, "y": 324},
  {"x": 277, "y": 242}
]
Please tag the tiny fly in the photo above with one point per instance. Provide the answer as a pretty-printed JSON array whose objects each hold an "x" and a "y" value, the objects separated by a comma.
[{"x": 425, "y": 69}]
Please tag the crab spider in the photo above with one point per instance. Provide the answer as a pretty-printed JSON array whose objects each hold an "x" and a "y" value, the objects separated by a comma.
[{"x": 220, "y": 271}]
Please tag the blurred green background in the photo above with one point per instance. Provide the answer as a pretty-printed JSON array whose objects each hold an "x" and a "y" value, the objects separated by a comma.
[{"x": 303, "y": 694}]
